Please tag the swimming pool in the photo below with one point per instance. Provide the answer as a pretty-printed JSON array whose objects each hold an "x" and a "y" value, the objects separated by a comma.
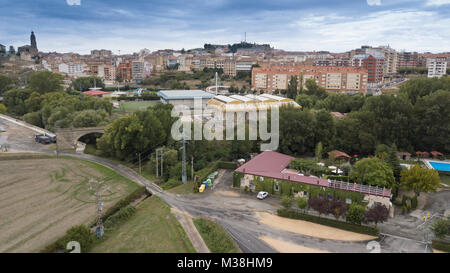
[{"x": 440, "y": 166}]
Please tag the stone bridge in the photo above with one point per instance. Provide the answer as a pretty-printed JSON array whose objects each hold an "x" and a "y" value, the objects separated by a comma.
[{"x": 67, "y": 138}]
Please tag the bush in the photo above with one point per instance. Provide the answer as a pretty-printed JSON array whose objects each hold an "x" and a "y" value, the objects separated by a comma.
[
  {"x": 215, "y": 236},
  {"x": 124, "y": 202},
  {"x": 439, "y": 245},
  {"x": 121, "y": 216},
  {"x": 301, "y": 202},
  {"x": 328, "y": 222},
  {"x": 81, "y": 234},
  {"x": 171, "y": 184},
  {"x": 355, "y": 214},
  {"x": 441, "y": 228},
  {"x": 414, "y": 202},
  {"x": 286, "y": 202},
  {"x": 226, "y": 165}
]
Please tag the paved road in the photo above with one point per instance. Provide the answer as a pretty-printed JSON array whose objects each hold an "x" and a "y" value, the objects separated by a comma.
[{"x": 237, "y": 214}]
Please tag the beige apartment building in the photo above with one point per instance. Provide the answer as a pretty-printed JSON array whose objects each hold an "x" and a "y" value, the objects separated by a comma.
[{"x": 333, "y": 79}]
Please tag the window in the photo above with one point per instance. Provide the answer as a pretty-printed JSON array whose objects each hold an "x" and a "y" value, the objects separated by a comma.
[
  {"x": 305, "y": 193},
  {"x": 277, "y": 187}
]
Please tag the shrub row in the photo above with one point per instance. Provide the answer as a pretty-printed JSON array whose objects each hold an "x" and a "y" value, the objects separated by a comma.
[
  {"x": 216, "y": 237},
  {"x": 440, "y": 245},
  {"x": 171, "y": 183},
  {"x": 328, "y": 222},
  {"x": 124, "y": 202},
  {"x": 81, "y": 234},
  {"x": 24, "y": 156},
  {"x": 226, "y": 165},
  {"x": 203, "y": 173},
  {"x": 121, "y": 216}
]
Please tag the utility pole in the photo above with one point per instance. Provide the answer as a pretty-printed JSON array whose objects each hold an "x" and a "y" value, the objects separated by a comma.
[
  {"x": 217, "y": 86},
  {"x": 192, "y": 167},
  {"x": 160, "y": 154},
  {"x": 183, "y": 171},
  {"x": 96, "y": 186},
  {"x": 140, "y": 169}
]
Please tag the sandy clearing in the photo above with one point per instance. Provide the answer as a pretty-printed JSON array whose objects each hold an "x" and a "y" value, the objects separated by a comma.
[
  {"x": 310, "y": 229},
  {"x": 438, "y": 251},
  {"x": 227, "y": 193},
  {"x": 287, "y": 247}
]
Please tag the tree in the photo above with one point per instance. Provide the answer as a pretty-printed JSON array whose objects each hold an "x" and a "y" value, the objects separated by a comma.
[
  {"x": 84, "y": 83},
  {"x": 393, "y": 161},
  {"x": 319, "y": 204},
  {"x": 301, "y": 203},
  {"x": 319, "y": 151},
  {"x": 441, "y": 228},
  {"x": 2, "y": 109},
  {"x": 45, "y": 82},
  {"x": 33, "y": 118},
  {"x": 305, "y": 101},
  {"x": 5, "y": 84},
  {"x": 80, "y": 234},
  {"x": 372, "y": 171},
  {"x": 89, "y": 118},
  {"x": 14, "y": 100},
  {"x": 377, "y": 214},
  {"x": 286, "y": 202},
  {"x": 314, "y": 90},
  {"x": 292, "y": 90},
  {"x": 337, "y": 208},
  {"x": 355, "y": 214},
  {"x": 419, "y": 180}
]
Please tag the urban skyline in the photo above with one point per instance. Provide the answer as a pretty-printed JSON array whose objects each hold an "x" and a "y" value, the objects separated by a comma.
[{"x": 80, "y": 26}]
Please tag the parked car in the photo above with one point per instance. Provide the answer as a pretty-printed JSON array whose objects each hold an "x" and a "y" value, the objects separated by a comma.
[
  {"x": 262, "y": 195},
  {"x": 52, "y": 137},
  {"x": 42, "y": 139},
  {"x": 2, "y": 130}
]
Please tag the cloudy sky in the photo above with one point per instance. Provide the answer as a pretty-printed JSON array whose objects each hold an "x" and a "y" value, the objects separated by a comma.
[{"x": 303, "y": 25}]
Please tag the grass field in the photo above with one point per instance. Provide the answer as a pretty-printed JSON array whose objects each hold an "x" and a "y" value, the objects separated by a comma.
[
  {"x": 40, "y": 199},
  {"x": 445, "y": 178},
  {"x": 215, "y": 236},
  {"x": 183, "y": 189},
  {"x": 151, "y": 229},
  {"x": 133, "y": 106}
]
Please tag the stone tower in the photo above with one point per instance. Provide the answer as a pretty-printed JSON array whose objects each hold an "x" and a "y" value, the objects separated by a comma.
[{"x": 33, "y": 41}]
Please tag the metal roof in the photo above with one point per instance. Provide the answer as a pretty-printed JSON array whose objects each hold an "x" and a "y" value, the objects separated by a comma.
[{"x": 184, "y": 94}]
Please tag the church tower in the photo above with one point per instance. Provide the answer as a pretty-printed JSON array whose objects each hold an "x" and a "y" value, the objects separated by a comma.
[{"x": 33, "y": 41}]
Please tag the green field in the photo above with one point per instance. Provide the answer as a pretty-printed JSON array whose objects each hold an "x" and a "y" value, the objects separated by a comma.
[
  {"x": 445, "y": 178},
  {"x": 133, "y": 106},
  {"x": 215, "y": 236},
  {"x": 187, "y": 188},
  {"x": 151, "y": 229}
]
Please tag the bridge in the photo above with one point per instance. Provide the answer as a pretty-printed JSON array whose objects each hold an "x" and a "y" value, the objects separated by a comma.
[{"x": 67, "y": 138}]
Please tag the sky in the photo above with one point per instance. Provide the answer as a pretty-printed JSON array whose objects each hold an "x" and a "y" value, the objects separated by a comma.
[{"x": 295, "y": 25}]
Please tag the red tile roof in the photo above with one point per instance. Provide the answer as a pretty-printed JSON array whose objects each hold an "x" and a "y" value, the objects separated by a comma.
[
  {"x": 95, "y": 93},
  {"x": 271, "y": 164}
]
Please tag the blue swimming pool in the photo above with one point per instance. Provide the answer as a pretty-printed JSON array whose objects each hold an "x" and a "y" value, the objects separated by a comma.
[{"x": 440, "y": 166}]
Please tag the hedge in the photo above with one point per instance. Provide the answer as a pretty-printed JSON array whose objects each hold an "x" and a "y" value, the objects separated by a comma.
[
  {"x": 81, "y": 234},
  {"x": 440, "y": 245},
  {"x": 328, "y": 222},
  {"x": 124, "y": 202},
  {"x": 226, "y": 165},
  {"x": 171, "y": 184},
  {"x": 215, "y": 236},
  {"x": 203, "y": 173},
  {"x": 121, "y": 216}
]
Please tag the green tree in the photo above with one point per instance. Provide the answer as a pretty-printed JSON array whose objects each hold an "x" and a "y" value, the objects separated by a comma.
[
  {"x": 286, "y": 202},
  {"x": 319, "y": 151},
  {"x": 84, "y": 83},
  {"x": 355, "y": 214},
  {"x": 372, "y": 171},
  {"x": 33, "y": 118},
  {"x": 89, "y": 118},
  {"x": 301, "y": 203},
  {"x": 292, "y": 90},
  {"x": 419, "y": 180},
  {"x": 5, "y": 84},
  {"x": 45, "y": 82},
  {"x": 314, "y": 90},
  {"x": 33, "y": 103},
  {"x": 14, "y": 100},
  {"x": 376, "y": 214},
  {"x": 441, "y": 228},
  {"x": 2, "y": 109}
]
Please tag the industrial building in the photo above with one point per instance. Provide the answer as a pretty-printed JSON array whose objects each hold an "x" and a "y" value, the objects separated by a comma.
[
  {"x": 238, "y": 103},
  {"x": 184, "y": 97}
]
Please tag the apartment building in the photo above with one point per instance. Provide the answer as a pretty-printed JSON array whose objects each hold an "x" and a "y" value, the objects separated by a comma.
[
  {"x": 437, "y": 67},
  {"x": 408, "y": 59},
  {"x": 124, "y": 71},
  {"x": 229, "y": 67},
  {"x": 137, "y": 71},
  {"x": 373, "y": 64},
  {"x": 333, "y": 79},
  {"x": 73, "y": 69}
]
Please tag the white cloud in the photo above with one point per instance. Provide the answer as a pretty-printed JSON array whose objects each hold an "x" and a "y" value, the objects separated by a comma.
[
  {"x": 73, "y": 2},
  {"x": 374, "y": 2},
  {"x": 437, "y": 3}
]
